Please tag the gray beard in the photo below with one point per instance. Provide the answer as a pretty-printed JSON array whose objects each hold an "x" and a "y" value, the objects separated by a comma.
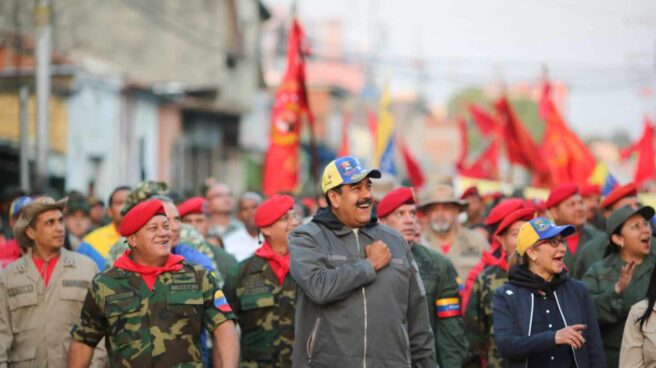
[{"x": 440, "y": 228}]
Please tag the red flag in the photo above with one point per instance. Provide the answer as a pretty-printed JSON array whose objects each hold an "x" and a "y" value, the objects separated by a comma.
[
  {"x": 290, "y": 106},
  {"x": 344, "y": 148},
  {"x": 415, "y": 173},
  {"x": 486, "y": 167},
  {"x": 520, "y": 146},
  {"x": 464, "y": 143},
  {"x": 644, "y": 147},
  {"x": 568, "y": 159},
  {"x": 485, "y": 122}
]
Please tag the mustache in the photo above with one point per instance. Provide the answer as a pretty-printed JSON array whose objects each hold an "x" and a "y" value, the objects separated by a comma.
[{"x": 366, "y": 201}]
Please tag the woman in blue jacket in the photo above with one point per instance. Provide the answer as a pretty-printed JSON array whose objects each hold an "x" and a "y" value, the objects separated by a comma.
[{"x": 541, "y": 317}]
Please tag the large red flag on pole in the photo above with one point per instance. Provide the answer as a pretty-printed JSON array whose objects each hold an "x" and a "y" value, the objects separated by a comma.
[
  {"x": 520, "y": 146},
  {"x": 644, "y": 147},
  {"x": 290, "y": 107},
  {"x": 567, "y": 157}
]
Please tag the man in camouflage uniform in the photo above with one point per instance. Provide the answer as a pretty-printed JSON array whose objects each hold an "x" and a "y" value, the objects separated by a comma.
[
  {"x": 262, "y": 293},
  {"x": 182, "y": 233},
  {"x": 483, "y": 351},
  {"x": 398, "y": 210},
  {"x": 152, "y": 305}
]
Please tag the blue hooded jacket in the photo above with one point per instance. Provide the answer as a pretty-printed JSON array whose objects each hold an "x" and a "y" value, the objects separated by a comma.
[{"x": 512, "y": 318}]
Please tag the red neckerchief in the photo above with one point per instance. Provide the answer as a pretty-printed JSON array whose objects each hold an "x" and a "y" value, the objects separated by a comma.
[
  {"x": 46, "y": 271},
  {"x": 149, "y": 274},
  {"x": 279, "y": 264},
  {"x": 573, "y": 241},
  {"x": 490, "y": 260},
  {"x": 446, "y": 248}
]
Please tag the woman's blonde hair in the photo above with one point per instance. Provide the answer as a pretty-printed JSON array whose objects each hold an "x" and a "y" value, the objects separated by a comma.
[{"x": 517, "y": 260}]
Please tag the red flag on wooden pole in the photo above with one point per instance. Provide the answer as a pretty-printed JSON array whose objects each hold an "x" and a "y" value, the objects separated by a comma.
[
  {"x": 567, "y": 157},
  {"x": 290, "y": 107}
]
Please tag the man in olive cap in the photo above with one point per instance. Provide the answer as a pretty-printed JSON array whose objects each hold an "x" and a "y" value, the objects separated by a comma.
[{"x": 41, "y": 294}]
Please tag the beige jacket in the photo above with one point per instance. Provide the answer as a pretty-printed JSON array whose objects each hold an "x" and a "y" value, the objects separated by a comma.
[
  {"x": 35, "y": 321},
  {"x": 639, "y": 347},
  {"x": 465, "y": 252}
]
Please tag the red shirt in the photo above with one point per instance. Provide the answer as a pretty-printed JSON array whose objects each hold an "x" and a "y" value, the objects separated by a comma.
[
  {"x": 573, "y": 241},
  {"x": 45, "y": 270}
]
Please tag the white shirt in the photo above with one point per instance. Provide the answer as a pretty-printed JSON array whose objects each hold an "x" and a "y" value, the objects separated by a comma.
[{"x": 241, "y": 244}]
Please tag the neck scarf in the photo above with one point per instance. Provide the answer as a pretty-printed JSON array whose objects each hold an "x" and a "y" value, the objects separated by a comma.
[
  {"x": 279, "y": 264},
  {"x": 149, "y": 274}
]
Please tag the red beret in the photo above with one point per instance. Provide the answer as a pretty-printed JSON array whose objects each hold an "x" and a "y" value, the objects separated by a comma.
[
  {"x": 193, "y": 205},
  {"x": 395, "y": 199},
  {"x": 139, "y": 216},
  {"x": 561, "y": 193},
  {"x": 525, "y": 214},
  {"x": 590, "y": 189},
  {"x": 503, "y": 209},
  {"x": 273, "y": 209},
  {"x": 471, "y": 191},
  {"x": 628, "y": 190}
]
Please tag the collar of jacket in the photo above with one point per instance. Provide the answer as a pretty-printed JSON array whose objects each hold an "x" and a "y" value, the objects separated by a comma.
[
  {"x": 520, "y": 275},
  {"x": 615, "y": 261},
  {"x": 327, "y": 218}
]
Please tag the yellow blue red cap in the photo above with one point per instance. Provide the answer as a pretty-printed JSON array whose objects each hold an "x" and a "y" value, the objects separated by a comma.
[
  {"x": 539, "y": 229},
  {"x": 345, "y": 170}
]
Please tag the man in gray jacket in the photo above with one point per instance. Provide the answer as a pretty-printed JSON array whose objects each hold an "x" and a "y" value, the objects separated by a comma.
[{"x": 361, "y": 302}]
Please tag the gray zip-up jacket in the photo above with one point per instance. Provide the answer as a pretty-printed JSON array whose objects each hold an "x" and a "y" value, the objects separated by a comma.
[{"x": 349, "y": 315}]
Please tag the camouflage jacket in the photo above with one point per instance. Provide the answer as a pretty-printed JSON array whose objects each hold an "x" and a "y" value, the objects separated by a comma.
[
  {"x": 265, "y": 310},
  {"x": 188, "y": 235},
  {"x": 440, "y": 281},
  {"x": 161, "y": 328},
  {"x": 478, "y": 319}
]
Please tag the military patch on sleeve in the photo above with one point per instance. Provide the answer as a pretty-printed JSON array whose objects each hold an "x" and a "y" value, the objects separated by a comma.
[
  {"x": 221, "y": 303},
  {"x": 461, "y": 286}
]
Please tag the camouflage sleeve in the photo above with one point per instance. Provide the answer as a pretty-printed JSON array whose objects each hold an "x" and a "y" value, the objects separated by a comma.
[
  {"x": 6, "y": 337},
  {"x": 93, "y": 325},
  {"x": 215, "y": 304},
  {"x": 475, "y": 330},
  {"x": 230, "y": 288},
  {"x": 448, "y": 324}
]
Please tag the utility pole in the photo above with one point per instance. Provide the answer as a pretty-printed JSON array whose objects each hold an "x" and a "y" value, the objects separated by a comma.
[
  {"x": 24, "y": 141},
  {"x": 43, "y": 53}
]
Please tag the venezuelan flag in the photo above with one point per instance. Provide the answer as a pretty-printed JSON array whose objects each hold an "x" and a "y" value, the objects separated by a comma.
[
  {"x": 447, "y": 307},
  {"x": 384, "y": 153},
  {"x": 602, "y": 177}
]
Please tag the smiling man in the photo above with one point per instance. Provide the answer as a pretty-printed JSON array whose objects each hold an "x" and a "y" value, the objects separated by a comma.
[
  {"x": 152, "y": 305},
  {"x": 41, "y": 294},
  {"x": 360, "y": 302}
]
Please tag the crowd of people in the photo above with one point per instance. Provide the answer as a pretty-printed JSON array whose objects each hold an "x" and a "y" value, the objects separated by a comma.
[{"x": 350, "y": 279}]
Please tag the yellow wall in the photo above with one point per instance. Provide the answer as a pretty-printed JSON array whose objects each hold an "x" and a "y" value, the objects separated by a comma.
[{"x": 10, "y": 125}]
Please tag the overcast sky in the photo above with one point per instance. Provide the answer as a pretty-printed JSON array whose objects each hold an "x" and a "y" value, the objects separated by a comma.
[{"x": 603, "y": 49}]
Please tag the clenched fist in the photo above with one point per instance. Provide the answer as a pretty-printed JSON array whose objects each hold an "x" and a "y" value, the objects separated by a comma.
[{"x": 378, "y": 254}]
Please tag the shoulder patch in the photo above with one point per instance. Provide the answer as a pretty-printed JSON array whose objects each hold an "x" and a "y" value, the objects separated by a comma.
[{"x": 221, "y": 303}]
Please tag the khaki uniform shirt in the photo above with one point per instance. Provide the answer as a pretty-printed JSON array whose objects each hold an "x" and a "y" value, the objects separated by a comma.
[
  {"x": 35, "y": 320},
  {"x": 639, "y": 346},
  {"x": 465, "y": 252}
]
